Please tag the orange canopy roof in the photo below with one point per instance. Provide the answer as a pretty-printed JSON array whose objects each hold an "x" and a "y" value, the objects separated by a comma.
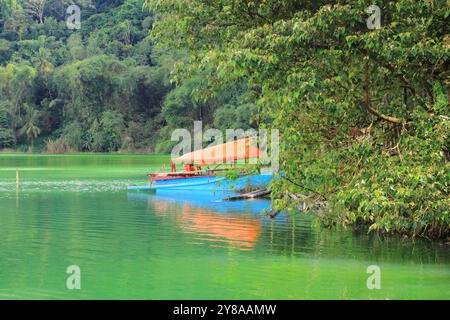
[{"x": 234, "y": 150}]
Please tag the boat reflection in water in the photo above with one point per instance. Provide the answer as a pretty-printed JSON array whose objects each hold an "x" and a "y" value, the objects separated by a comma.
[{"x": 235, "y": 224}]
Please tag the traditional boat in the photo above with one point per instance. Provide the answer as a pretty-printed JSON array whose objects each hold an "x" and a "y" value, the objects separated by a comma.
[{"x": 198, "y": 175}]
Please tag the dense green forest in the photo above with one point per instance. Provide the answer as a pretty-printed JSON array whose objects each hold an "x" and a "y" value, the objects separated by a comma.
[
  {"x": 101, "y": 88},
  {"x": 363, "y": 113}
]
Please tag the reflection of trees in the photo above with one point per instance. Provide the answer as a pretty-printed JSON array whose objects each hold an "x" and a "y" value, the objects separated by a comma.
[
  {"x": 294, "y": 235},
  {"x": 211, "y": 227},
  {"x": 298, "y": 235}
]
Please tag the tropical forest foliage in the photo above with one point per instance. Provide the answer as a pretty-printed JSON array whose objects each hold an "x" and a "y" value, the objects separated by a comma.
[
  {"x": 363, "y": 112},
  {"x": 101, "y": 88}
]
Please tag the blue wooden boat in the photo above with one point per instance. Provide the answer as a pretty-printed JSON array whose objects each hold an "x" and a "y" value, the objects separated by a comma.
[
  {"x": 195, "y": 178},
  {"x": 210, "y": 182}
]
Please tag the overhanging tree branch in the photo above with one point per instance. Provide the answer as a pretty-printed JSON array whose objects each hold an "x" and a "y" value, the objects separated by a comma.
[{"x": 367, "y": 98}]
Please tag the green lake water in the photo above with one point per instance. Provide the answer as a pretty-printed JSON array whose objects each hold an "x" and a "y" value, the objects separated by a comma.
[{"x": 75, "y": 210}]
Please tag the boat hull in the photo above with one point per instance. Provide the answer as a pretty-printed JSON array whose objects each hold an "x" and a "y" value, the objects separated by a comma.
[{"x": 211, "y": 183}]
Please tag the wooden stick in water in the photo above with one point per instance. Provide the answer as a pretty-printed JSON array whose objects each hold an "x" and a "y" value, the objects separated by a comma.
[
  {"x": 17, "y": 177},
  {"x": 249, "y": 195}
]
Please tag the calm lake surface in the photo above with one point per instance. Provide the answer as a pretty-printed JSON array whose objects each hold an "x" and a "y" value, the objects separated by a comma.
[{"x": 75, "y": 210}]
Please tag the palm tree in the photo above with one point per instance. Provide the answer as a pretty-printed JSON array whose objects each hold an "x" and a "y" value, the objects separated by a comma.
[
  {"x": 43, "y": 65},
  {"x": 30, "y": 124},
  {"x": 35, "y": 8}
]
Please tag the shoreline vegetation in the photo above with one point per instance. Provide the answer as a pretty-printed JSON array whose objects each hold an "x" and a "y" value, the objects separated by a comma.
[{"x": 363, "y": 113}]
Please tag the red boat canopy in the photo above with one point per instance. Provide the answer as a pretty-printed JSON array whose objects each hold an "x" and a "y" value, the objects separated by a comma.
[{"x": 234, "y": 150}]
